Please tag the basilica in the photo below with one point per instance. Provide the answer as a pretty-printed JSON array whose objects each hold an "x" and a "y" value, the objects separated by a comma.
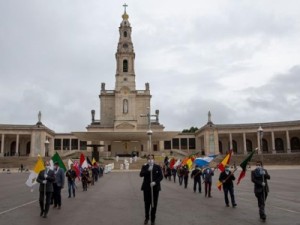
[{"x": 128, "y": 125}]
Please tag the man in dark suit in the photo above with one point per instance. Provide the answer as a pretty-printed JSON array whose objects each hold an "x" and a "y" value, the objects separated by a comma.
[
  {"x": 196, "y": 175},
  {"x": 152, "y": 174},
  {"x": 227, "y": 178},
  {"x": 259, "y": 177},
  {"x": 45, "y": 178},
  {"x": 58, "y": 184}
]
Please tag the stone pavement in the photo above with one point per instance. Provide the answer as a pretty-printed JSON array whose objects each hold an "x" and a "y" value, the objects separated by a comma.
[{"x": 117, "y": 199}]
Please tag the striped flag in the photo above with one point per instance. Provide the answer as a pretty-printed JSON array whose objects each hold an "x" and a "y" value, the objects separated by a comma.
[
  {"x": 243, "y": 165},
  {"x": 225, "y": 161}
]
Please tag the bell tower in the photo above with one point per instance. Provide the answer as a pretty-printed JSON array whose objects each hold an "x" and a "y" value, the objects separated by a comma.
[{"x": 125, "y": 75}]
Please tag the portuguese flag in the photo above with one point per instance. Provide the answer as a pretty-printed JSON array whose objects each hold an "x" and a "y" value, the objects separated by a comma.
[{"x": 243, "y": 165}]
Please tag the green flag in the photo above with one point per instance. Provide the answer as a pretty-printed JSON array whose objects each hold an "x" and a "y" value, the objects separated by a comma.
[
  {"x": 244, "y": 166},
  {"x": 56, "y": 158}
]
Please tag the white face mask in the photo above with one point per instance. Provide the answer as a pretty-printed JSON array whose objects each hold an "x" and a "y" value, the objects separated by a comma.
[
  {"x": 48, "y": 167},
  {"x": 150, "y": 161},
  {"x": 258, "y": 167}
]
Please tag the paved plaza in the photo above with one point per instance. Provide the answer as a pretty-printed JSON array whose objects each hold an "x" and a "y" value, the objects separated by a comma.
[{"x": 117, "y": 199}]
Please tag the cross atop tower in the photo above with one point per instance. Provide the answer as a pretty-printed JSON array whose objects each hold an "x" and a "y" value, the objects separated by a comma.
[{"x": 125, "y": 5}]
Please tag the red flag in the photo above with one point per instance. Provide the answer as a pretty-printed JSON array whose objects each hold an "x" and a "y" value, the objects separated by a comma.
[
  {"x": 83, "y": 162},
  {"x": 172, "y": 163},
  {"x": 76, "y": 168}
]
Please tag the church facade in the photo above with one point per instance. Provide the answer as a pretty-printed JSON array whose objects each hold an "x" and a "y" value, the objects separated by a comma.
[{"x": 127, "y": 125}]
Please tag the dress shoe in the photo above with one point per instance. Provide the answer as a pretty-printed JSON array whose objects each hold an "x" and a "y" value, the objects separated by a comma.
[
  {"x": 152, "y": 223},
  {"x": 42, "y": 212},
  {"x": 45, "y": 215},
  {"x": 146, "y": 221},
  {"x": 227, "y": 205},
  {"x": 234, "y": 205}
]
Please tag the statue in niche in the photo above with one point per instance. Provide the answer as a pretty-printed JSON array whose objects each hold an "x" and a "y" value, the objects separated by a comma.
[{"x": 125, "y": 106}]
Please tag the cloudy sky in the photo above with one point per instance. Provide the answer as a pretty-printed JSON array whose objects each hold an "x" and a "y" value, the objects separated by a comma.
[{"x": 239, "y": 59}]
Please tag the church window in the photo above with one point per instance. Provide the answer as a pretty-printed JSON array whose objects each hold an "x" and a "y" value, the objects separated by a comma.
[
  {"x": 125, "y": 33},
  {"x": 125, "y": 65}
]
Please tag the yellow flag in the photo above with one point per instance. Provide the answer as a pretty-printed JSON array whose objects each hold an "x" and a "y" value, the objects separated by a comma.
[
  {"x": 189, "y": 163},
  {"x": 93, "y": 161},
  {"x": 39, "y": 166}
]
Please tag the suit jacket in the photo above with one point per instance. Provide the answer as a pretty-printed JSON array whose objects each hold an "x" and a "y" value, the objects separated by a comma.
[
  {"x": 50, "y": 179},
  {"x": 59, "y": 177},
  {"x": 196, "y": 174},
  {"x": 257, "y": 179},
  {"x": 230, "y": 178},
  {"x": 207, "y": 175},
  {"x": 157, "y": 177}
]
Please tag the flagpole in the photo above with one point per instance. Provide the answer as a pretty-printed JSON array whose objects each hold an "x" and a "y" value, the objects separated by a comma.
[
  {"x": 228, "y": 177},
  {"x": 260, "y": 131},
  {"x": 149, "y": 133},
  {"x": 45, "y": 190}
]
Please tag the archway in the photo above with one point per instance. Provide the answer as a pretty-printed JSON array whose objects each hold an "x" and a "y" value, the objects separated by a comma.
[
  {"x": 279, "y": 145},
  {"x": 249, "y": 146},
  {"x": 12, "y": 151},
  {"x": 220, "y": 147},
  {"x": 295, "y": 144},
  {"x": 28, "y": 148},
  {"x": 265, "y": 145}
]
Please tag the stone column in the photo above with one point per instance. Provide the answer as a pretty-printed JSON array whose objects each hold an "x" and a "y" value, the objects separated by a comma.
[
  {"x": 288, "y": 142},
  {"x": 258, "y": 144},
  {"x": 188, "y": 145},
  {"x": 32, "y": 145},
  {"x": 230, "y": 141},
  {"x": 70, "y": 144},
  {"x": 273, "y": 143},
  {"x": 78, "y": 145},
  {"x": 2, "y": 145},
  {"x": 61, "y": 144},
  {"x": 244, "y": 144},
  {"x": 179, "y": 143},
  {"x": 17, "y": 145}
]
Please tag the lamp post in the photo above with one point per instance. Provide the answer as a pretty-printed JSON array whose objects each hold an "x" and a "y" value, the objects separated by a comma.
[
  {"x": 260, "y": 132},
  {"x": 149, "y": 131},
  {"x": 47, "y": 147}
]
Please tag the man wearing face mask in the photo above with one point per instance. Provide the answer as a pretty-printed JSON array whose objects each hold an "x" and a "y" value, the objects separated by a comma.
[
  {"x": 259, "y": 177},
  {"x": 227, "y": 178},
  {"x": 45, "y": 178},
  {"x": 152, "y": 175},
  {"x": 58, "y": 185}
]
